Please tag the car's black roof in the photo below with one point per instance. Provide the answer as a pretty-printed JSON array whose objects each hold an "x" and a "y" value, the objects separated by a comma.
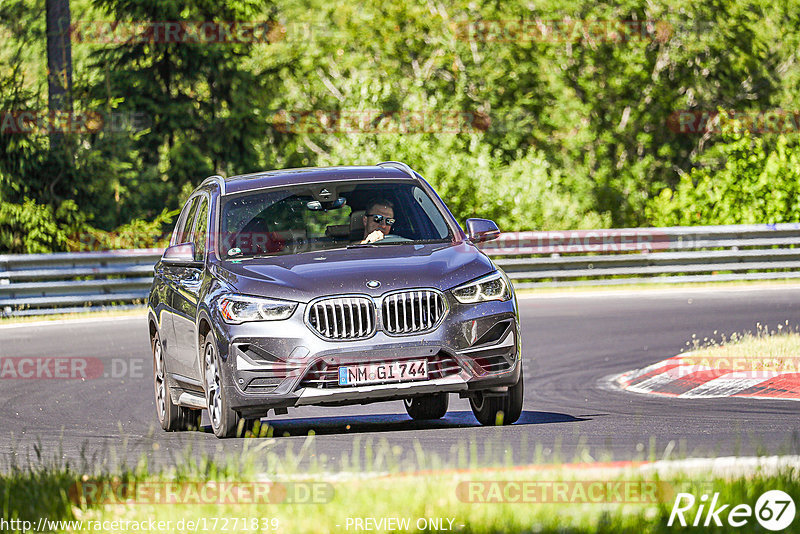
[{"x": 305, "y": 175}]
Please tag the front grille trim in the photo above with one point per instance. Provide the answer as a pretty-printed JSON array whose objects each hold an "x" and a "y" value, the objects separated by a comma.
[
  {"x": 397, "y": 313},
  {"x": 417, "y": 306},
  {"x": 342, "y": 317}
]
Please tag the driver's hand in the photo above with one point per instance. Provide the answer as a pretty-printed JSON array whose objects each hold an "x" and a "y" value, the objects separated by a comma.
[{"x": 376, "y": 235}]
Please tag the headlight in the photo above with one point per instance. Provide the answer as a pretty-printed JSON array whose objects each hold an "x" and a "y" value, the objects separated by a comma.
[
  {"x": 237, "y": 309},
  {"x": 491, "y": 287}
]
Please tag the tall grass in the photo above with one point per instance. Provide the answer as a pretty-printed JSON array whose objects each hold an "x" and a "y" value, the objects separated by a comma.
[{"x": 375, "y": 484}]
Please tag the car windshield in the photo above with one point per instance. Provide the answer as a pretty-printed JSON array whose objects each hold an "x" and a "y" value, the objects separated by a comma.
[{"x": 316, "y": 217}]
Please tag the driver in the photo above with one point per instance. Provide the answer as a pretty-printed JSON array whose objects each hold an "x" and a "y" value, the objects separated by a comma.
[{"x": 378, "y": 220}]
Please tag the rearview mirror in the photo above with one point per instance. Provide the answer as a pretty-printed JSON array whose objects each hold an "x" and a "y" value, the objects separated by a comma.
[
  {"x": 482, "y": 230},
  {"x": 316, "y": 205},
  {"x": 182, "y": 254}
]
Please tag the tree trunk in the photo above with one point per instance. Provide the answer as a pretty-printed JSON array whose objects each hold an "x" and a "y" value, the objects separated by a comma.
[{"x": 59, "y": 70}]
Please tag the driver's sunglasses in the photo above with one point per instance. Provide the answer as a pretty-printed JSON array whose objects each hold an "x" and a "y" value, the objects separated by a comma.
[{"x": 380, "y": 218}]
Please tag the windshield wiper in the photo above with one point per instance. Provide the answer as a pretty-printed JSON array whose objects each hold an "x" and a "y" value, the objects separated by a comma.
[{"x": 382, "y": 243}]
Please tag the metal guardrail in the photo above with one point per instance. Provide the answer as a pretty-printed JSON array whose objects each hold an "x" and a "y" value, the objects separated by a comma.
[
  {"x": 638, "y": 255},
  {"x": 38, "y": 284},
  {"x": 32, "y": 284}
]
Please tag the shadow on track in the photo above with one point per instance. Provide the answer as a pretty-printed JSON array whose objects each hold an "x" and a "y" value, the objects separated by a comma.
[{"x": 397, "y": 423}]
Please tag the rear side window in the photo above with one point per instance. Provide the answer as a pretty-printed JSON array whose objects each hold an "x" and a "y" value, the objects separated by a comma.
[
  {"x": 201, "y": 231},
  {"x": 184, "y": 227}
]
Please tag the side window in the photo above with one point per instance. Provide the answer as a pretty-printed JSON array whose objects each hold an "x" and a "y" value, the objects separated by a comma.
[
  {"x": 432, "y": 214},
  {"x": 176, "y": 232},
  {"x": 183, "y": 233},
  {"x": 201, "y": 231}
]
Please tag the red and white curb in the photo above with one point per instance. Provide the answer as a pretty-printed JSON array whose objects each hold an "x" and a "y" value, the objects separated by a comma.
[{"x": 689, "y": 377}]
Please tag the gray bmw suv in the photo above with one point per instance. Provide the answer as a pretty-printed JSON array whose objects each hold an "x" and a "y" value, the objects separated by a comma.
[{"x": 329, "y": 286}]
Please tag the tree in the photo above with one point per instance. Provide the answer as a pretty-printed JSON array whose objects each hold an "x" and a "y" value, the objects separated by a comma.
[
  {"x": 201, "y": 100},
  {"x": 59, "y": 67}
]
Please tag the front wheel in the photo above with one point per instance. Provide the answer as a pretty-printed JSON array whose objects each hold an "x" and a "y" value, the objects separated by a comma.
[
  {"x": 427, "y": 407},
  {"x": 225, "y": 422},
  {"x": 501, "y": 409}
]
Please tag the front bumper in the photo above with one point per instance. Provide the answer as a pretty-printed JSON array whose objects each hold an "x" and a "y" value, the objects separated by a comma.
[{"x": 283, "y": 364}]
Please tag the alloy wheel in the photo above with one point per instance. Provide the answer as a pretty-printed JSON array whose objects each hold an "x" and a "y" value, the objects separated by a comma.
[
  {"x": 213, "y": 394},
  {"x": 160, "y": 387}
]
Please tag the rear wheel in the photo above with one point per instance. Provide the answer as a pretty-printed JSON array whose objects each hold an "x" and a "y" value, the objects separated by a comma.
[
  {"x": 500, "y": 409},
  {"x": 171, "y": 416},
  {"x": 427, "y": 407}
]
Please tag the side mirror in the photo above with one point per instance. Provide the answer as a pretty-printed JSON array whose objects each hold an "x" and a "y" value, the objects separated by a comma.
[
  {"x": 178, "y": 255},
  {"x": 482, "y": 230}
]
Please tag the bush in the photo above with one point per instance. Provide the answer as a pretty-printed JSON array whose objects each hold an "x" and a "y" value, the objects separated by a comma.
[
  {"x": 138, "y": 233},
  {"x": 36, "y": 228},
  {"x": 30, "y": 228},
  {"x": 523, "y": 195},
  {"x": 750, "y": 183}
]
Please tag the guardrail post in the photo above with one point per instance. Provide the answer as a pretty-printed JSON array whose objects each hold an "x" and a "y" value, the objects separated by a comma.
[{"x": 6, "y": 309}]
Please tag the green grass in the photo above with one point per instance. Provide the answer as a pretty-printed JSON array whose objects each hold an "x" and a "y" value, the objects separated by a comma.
[
  {"x": 45, "y": 489},
  {"x": 765, "y": 350},
  {"x": 435, "y": 495}
]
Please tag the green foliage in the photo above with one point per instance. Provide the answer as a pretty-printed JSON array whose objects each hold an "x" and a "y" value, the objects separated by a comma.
[
  {"x": 31, "y": 228},
  {"x": 201, "y": 101},
  {"x": 745, "y": 182},
  {"x": 98, "y": 495},
  {"x": 557, "y": 130},
  {"x": 523, "y": 195},
  {"x": 138, "y": 233}
]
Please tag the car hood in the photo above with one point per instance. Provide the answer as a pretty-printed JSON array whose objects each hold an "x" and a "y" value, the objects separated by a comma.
[{"x": 303, "y": 277}]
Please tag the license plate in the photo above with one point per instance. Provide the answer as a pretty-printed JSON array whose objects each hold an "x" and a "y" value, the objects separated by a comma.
[{"x": 371, "y": 373}]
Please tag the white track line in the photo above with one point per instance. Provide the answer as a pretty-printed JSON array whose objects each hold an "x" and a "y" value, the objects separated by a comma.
[
  {"x": 38, "y": 324},
  {"x": 651, "y": 292},
  {"x": 725, "y": 466}
]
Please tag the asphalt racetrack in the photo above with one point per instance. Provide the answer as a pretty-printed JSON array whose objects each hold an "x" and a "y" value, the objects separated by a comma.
[{"x": 570, "y": 344}]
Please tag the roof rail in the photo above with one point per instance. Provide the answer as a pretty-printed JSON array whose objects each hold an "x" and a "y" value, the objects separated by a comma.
[
  {"x": 398, "y": 165},
  {"x": 216, "y": 178}
]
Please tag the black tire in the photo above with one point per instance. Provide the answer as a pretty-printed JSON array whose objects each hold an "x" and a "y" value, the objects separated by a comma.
[
  {"x": 171, "y": 417},
  {"x": 427, "y": 407},
  {"x": 225, "y": 422},
  {"x": 501, "y": 409}
]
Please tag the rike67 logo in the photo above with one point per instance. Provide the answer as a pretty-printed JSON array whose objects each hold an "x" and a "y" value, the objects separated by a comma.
[{"x": 774, "y": 510}]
